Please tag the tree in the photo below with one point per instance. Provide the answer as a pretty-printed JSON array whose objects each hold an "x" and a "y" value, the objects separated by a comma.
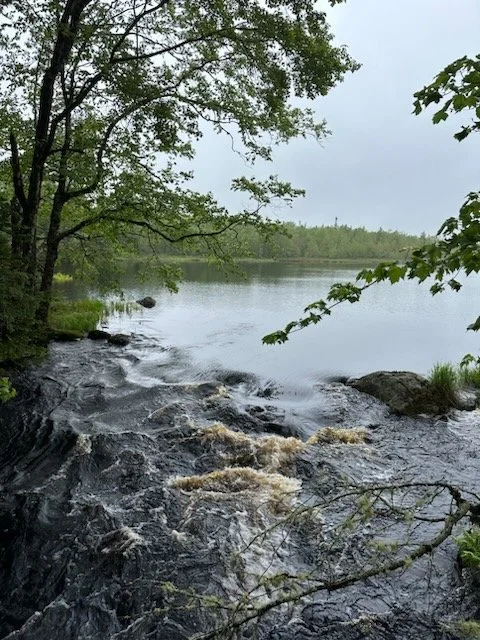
[
  {"x": 99, "y": 99},
  {"x": 455, "y": 249}
]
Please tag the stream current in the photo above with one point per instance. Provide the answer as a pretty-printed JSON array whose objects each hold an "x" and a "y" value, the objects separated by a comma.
[{"x": 145, "y": 497}]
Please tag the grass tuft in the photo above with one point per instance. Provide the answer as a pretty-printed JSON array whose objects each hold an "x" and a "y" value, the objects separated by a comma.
[
  {"x": 270, "y": 453},
  {"x": 469, "y": 376},
  {"x": 331, "y": 435},
  {"x": 122, "y": 306},
  {"x": 80, "y": 316},
  {"x": 466, "y": 629},
  {"x": 61, "y": 278},
  {"x": 469, "y": 547},
  {"x": 271, "y": 488},
  {"x": 445, "y": 381}
]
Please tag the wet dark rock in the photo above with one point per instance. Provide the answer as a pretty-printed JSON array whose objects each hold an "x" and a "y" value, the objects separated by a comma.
[
  {"x": 231, "y": 416},
  {"x": 148, "y": 302},
  {"x": 170, "y": 415},
  {"x": 278, "y": 429},
  {"x": 119, "y": 339},
  {"x": 269, "y": 391},
  {"x": 235, "y": 378},
  {"x": 203, "y": 389},
  {"x": 98, "y": 334},
  {"x": 337, "y": 378},
  {"x": 404, "y": 392}
]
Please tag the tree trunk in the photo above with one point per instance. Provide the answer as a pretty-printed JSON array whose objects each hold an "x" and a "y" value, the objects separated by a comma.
[{"x": 50, "y": 259}]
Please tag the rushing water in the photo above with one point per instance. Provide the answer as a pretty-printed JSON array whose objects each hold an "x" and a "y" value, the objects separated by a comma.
[{"x": 146, "y": 489}]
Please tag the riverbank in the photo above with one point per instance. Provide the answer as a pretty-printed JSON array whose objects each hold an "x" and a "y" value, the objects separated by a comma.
[{"x": 361, "y": 262}]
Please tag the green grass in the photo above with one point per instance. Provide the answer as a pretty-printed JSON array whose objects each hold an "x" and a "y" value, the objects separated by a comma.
[
  {"x": 61, "y": 278},
  {"x": 121, "y": 306},
  {"x": 81, "y": 316},
  {"x": 7, "y": 392},
  {"x": 469, "y": 376},
  {"x": 469, "y": 547},
  {"x": 465, "y": 629},
  {"x": 444, "y": 379}
]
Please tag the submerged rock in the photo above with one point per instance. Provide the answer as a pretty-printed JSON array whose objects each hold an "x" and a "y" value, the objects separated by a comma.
[
  {"x": 404, "y": 392},
  {"x": 148, "y": 302}
]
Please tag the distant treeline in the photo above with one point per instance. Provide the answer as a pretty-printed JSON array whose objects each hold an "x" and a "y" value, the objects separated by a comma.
[{"x": 302, "y": 242}]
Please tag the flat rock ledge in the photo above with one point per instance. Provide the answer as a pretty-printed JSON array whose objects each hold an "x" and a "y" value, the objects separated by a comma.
[{"x": 407, "y": 393}]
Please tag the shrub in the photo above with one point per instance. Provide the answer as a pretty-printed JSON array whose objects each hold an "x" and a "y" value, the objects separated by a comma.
[
  {"x": 7, "y": 392},
  {"x": 469, "y": 547}
]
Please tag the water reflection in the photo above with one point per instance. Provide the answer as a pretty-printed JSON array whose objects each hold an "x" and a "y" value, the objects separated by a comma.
[{"x": 220, "y": 321}]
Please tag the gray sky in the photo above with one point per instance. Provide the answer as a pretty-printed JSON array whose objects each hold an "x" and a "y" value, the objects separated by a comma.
[{"x": 382, "y": 166}]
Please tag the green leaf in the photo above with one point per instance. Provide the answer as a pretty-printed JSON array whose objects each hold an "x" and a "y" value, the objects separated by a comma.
[
  {"x": 475, "y": 326},
  {"x": 462, "y": 134},
  {"x": 455, "y": 285},
  {"x": 396, "y": 273},
  {"x": 440, "y": 116}
]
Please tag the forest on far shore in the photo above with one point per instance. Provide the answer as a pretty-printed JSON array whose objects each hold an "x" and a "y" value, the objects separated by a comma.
[{"x": 301, "y": 242}]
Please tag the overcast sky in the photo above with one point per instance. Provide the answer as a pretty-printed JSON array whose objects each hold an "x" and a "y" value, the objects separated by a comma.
[{"x": 382, "y": 166}]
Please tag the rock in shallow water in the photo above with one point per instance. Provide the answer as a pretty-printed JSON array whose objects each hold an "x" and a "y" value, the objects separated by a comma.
[
  {"x": 148, "y": 302},
  {"x": 404, "y": 392},
  {"x": 119, "y": 339},
  {"x": 98, "y": 334}
]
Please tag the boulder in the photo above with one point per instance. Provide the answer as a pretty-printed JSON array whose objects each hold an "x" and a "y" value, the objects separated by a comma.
[
  {"x": 119, "y": 339},
  {"x": 404, "y": 392},
  {"x": 98, "y": 334},
  {"x": 148, "y": 302},
  {"x": 466, "y": 400}
]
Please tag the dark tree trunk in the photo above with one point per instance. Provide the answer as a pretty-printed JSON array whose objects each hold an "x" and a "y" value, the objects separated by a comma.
[{"x": 51, "y": 256}]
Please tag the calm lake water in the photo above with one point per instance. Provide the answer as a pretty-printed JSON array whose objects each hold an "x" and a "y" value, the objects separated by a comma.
[{"x": 220, "y": 323}]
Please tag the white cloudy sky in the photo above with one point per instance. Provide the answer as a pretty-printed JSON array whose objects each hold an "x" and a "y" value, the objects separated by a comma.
[{"x": 382, "y": 166}]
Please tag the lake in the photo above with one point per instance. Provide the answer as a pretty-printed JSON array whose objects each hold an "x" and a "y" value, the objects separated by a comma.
[{"x": 219, "y": 322}]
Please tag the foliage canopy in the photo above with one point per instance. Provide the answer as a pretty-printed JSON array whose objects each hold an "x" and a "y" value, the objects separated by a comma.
[{"x": 100, "y": 99}]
